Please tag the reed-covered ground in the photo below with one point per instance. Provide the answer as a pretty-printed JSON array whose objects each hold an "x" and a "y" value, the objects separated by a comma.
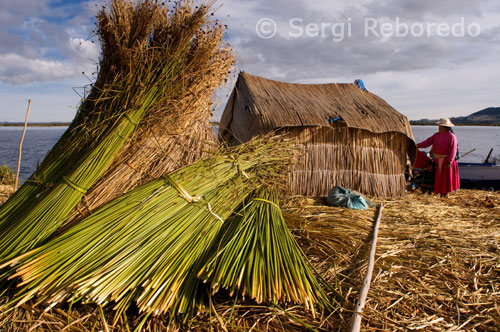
[
  {"x": 437, "y": 269},
  {"x": 5, "y": 192}
]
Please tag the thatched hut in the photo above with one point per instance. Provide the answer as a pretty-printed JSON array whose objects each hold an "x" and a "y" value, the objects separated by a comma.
[{"x": 347, "y": 136}]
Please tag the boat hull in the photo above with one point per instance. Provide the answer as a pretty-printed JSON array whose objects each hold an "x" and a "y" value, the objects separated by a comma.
[{"x": 479, "y": 176}]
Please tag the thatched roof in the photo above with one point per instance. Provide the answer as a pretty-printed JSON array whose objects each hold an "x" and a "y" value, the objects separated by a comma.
[{"x": 271, "y": 104}]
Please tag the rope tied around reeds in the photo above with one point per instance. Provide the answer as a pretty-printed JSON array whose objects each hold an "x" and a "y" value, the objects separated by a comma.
[
  {"x": 40, "y": 183},
  {"x": 190, "y": 199},
  {"x": 182, "y": 192},
  {"x": 213, "y": 213},
  {"x": 135, "y": 124},
  {"x": 196, "y": 199},
  {"x": 74, "y": 185}
]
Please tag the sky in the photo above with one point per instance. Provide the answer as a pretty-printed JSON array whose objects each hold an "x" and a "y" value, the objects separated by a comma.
[{"x": 427, "y": 58}]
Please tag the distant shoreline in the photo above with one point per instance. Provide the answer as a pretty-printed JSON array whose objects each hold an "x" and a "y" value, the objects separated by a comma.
[
  {"x": 34, "y": 124},
  {"x": 489, "y": 117},
  {"x": 415, "y": 123},
  {"x": 66, "y": 124}
]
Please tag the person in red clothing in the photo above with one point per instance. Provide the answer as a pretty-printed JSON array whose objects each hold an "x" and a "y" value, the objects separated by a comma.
[
  {"x": 444, "y": 147},
  {"x": 423, "y": 171}
]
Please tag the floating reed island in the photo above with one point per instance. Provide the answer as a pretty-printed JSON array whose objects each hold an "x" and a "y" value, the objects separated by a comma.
[
  {"x": 139, "y": 220},
  {"x": 437, "y": 269}
]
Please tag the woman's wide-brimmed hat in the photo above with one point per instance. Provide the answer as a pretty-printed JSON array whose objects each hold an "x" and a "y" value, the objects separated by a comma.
[{"x": 445, "y": 123}]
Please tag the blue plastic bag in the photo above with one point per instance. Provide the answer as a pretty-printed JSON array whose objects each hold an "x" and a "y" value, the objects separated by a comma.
[
  {"x": 342, "y": 197},
  {"x": 360, "y": 84}
]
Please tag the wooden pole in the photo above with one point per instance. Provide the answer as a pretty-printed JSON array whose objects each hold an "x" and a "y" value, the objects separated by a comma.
[
  {"x": 467, "y": 153},
  {"x": 356, "y": 320},
  {"x": 21, "y": 145},
  {"x": 488, "y": 157}
]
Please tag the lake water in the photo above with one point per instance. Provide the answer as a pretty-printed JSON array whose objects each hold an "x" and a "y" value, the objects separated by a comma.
[
  {"x": 39, "y": 140},
  {"x": 474, "y": 137}
]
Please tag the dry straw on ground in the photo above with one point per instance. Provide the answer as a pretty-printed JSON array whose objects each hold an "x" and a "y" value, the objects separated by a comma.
[
  {"x": 437, "y": 269},
  {"x": 5, "y": 192},
  {"x": 437, "y": 266}
]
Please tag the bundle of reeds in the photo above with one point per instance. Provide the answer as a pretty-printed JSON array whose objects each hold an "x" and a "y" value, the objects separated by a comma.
[
  {"x": 96, "y": 114},
  {"x": 154, "y": 59},
  {"x": 176, "y": 132},
  {"x": 42, "y": 220},
  {"x": 257, "y": 256},
  {"x": 148, "y": 245}
]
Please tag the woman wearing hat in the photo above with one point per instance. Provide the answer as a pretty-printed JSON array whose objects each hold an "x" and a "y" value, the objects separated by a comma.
[{"x": 444, "y": 147}]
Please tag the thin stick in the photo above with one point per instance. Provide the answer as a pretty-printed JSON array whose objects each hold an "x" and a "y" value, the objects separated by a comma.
[
  {"x": 488, "y": 157},
  {"x": 21, "y": 145},
  {"x": 356, "y": 320},
  {"x": 467, "y": 153},
  {"x": 103, "y": 319}
]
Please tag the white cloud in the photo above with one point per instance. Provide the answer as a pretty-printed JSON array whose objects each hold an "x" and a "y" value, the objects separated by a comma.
[
  {"x": 440, "y": 92},
  {"x": 45, "y": 41},
  {"x": 419, "y": 76},
  {"x": 17, "y": 69},
  {"x": 84, "y": 49}
]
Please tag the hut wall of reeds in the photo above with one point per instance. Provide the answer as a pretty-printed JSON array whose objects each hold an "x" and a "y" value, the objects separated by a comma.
[{"x": 346, "y": 136}]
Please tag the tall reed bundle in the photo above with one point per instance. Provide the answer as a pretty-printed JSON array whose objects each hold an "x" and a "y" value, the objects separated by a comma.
[
  {"x": 147, "y": 246},
  {"x": 149, "y": 57},
  {"x": 38, "y": 223},
  {"x": 258, "y": 257},
  {"x": 184, "y": 131},
  {"x": 96, "y": 115}
]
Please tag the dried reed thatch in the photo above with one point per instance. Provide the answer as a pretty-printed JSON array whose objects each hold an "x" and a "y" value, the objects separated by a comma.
[
  {"x": 5, "y": 192},
  {"x": 347, "y": 136},
  {"x": 370, "y": 163},
  {"x": 437, "y": 266}
]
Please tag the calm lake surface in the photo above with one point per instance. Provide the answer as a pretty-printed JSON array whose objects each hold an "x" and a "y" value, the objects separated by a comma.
[
  {"x": 475, "y": 137},
  {"x": 39, "y": 140}
]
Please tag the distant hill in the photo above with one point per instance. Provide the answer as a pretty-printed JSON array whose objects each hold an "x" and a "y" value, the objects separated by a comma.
[{"x": 487, "y": 117}]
